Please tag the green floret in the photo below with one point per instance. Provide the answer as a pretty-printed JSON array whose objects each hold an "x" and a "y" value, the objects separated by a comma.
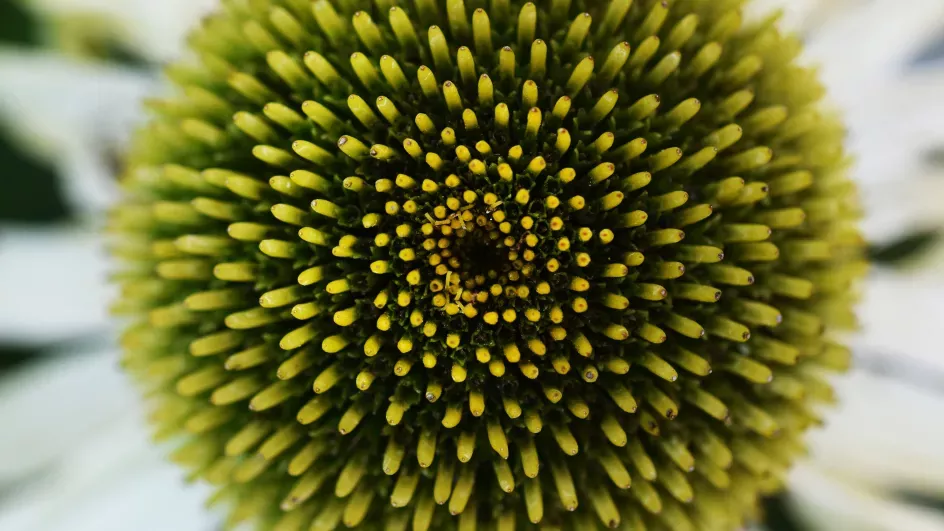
[{"x": 487, "y": 265}]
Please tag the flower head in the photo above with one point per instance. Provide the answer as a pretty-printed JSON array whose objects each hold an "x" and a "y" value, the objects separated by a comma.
[{"x": 444, "y": 265}]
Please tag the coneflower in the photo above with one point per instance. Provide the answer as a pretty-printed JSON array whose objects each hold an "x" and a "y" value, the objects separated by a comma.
[{"x": 469, "y": 265}]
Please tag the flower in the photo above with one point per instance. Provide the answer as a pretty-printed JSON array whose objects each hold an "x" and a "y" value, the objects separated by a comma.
[{"x": 488, "y": 282}]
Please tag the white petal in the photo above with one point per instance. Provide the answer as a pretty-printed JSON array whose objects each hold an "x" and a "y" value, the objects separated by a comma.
[
  {"x": 899, "y": 316},
  {"x": 865, "y": 47},
  {"x": 829, "y": 504},
  {"x": 155, "y": 29},
  {"x": 896, "y": 208},
  {"x": 892, "y": 132},
  {"x": 113, "y": 480},
  {"x": 53, "y": 283},
  {"x": 73, "y": 114},
  {"x": 47, "y": 409},
  {"x": 75, "y": 437},
  {"x": 886, "y": 431}
]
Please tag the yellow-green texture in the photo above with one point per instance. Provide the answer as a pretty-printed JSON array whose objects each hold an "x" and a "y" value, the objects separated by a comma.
[{"x": 467, "y": 265}]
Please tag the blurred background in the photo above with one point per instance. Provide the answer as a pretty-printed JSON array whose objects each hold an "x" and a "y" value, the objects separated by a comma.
[{"x": 74, "y": 450}]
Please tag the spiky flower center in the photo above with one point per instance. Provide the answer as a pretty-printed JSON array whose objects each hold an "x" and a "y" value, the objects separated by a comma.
[{"x": 446, "y": 264}]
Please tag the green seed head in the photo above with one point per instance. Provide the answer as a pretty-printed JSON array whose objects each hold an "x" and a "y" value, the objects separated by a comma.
[{"x": 488, "y": 265}]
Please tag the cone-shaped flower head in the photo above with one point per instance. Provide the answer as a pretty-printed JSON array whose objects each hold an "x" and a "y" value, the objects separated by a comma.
[{"x": 486, "y": 265}]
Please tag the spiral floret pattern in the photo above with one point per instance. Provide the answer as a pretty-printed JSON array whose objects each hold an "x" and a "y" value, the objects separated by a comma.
[{"x": 465, "y": 265}]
